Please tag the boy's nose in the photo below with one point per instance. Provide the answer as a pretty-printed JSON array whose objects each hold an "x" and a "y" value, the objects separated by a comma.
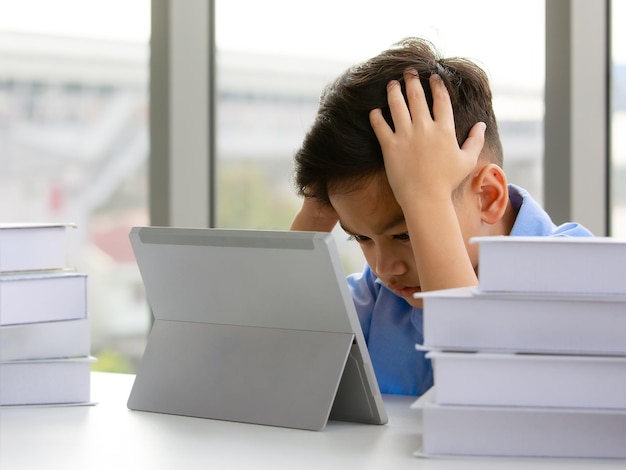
[{"x": 388, "y": 263}]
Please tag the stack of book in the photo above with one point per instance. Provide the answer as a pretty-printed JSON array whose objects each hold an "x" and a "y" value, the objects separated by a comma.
[
  {"x": 532, "y": 362},
  {"x": 44, "y": 327}
]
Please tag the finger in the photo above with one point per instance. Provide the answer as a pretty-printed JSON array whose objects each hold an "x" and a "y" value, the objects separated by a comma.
[
  {"x": 379, "y": 125},
  {"x": 418, "y": 106},
  {"x": 475, "y": 141},
  {"x": 399, "y": 111},
  {"x": 442, "y": 106}
]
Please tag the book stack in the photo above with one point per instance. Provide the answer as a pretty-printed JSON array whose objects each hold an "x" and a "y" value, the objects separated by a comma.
[
  {"x": 532, "y": 362},
  {"x": 44, "y": 328}
]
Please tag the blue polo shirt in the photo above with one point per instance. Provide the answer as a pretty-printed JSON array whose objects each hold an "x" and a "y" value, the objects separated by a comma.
[{"x": 392, "y": 327}]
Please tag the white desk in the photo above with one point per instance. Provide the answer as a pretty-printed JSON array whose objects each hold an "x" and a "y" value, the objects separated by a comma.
[{"x": 109, "y": 436}]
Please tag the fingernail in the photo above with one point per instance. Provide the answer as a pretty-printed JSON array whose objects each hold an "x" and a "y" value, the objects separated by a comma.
[{"x": 392, "y": 84}]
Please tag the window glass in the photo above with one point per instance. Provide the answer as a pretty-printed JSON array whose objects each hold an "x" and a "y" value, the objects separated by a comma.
[
  {"x": 618, "y": 119},
  {"x": 273, "y": 61},
  {"x": 74, "y": 146}
]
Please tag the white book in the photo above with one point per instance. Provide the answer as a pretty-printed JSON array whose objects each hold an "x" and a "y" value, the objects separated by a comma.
[
  {"x": 52, "y": 296},
  {"x": 521, "y": 432},
  {"x": 59, "y": 381},
  {"x": 529, "y": 380},
  {"x": 552, "y": 264},
  {"x": 468, "y": 319},
  {"x": 31, "y": 247},
  {"x": 45, "y": 340}
]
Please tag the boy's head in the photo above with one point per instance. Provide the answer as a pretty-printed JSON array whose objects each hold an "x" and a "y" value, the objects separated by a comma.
[
  {"x": 341, "y": 163},
  {"x": 341, "y": 150}
]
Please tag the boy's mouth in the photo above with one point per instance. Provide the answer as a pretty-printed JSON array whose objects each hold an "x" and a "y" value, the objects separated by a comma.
[{"x": 404, "y": 291}]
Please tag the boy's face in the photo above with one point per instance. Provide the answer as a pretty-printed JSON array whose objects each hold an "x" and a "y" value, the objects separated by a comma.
[{"x": 371, "y": 215}]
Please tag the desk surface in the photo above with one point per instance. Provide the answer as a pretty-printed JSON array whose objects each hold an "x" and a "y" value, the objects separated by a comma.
[{"x": 109, "y": 436}]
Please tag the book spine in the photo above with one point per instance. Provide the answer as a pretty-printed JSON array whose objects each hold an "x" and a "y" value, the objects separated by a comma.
[{"x": 45, "y": 335}]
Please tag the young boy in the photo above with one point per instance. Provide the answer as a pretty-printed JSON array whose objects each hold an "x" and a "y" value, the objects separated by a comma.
[{"x": 405, "y": 155}]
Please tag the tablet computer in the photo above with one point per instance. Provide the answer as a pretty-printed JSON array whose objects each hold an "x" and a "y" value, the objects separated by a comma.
[{"x": 255, "y": 326}]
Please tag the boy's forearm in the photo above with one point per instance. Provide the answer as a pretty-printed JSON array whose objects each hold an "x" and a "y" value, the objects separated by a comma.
[
  {"x": 314, "y": 216},
  {"x": 301, "y": 222},
  {"x": 441, "y": 256}
]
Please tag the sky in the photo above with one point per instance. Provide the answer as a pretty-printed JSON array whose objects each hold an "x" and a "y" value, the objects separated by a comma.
[
  {"x": 127, "y": 20},
  {"x": 345, "y": 29},
  {"x": 357, "y": 29},
  {"x": 505, "y": 37}
]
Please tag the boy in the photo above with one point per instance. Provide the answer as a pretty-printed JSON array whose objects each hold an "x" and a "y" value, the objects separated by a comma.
[{"x": 405, "y": 155}]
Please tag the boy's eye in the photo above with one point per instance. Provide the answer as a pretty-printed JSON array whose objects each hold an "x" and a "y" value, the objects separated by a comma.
[
  {"x": 358, "y": 238},
  {"x": 362, "y": 238}
]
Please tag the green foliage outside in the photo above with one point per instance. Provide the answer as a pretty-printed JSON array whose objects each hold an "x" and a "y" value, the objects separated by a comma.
[
  {"x": 255, "y": 195},
  {"x": 260, "y": 195},
  {"x": 112, "y": 361}
]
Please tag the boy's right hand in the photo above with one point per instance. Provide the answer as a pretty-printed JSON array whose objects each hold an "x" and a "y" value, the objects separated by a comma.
[{"x": 315, "y": 216}]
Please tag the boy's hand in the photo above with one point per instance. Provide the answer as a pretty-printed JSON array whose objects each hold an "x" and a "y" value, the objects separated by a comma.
[
  {"x": 422, "y": 157},
  {"x": 315, "y": 216}
]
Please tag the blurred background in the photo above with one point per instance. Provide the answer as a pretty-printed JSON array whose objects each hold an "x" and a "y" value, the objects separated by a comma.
[{"x": 74, "y": 107}]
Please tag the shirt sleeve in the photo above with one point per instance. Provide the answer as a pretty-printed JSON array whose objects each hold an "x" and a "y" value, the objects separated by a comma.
[{"x": 364, "y": 289}]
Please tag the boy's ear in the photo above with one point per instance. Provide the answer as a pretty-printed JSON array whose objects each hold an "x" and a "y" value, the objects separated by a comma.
[{"x": 490, "y": 184}]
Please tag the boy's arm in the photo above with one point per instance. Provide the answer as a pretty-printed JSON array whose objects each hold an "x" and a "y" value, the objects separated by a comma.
[
  {"x": 424, "y": 165},
  {"x": 315, "y": 216}
]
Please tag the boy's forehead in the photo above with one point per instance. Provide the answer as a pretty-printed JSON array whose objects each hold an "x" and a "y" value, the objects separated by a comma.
[
  {"x": 363, "y": 222},
  {"x": 376, "y": 184},
  {"x": 382, "y": 226},
  {"x": 370, "y": 208}
]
